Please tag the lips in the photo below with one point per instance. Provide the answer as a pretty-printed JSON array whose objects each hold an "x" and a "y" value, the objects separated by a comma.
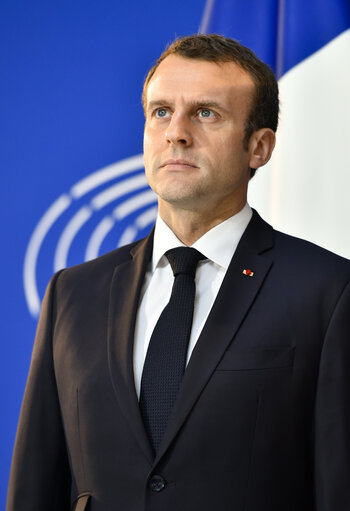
[{"x": 179, "y": 162}]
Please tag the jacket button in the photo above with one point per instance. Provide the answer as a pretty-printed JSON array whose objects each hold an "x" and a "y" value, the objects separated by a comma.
[{"x": 156, "y": 483}]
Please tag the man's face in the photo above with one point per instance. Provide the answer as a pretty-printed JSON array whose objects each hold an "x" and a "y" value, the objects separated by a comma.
[{"x": 194, "y": 152}]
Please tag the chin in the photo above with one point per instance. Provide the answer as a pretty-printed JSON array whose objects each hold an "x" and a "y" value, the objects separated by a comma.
[{"x": 186, "y": 200}]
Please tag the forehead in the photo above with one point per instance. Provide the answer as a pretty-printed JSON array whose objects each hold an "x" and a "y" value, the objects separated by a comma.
[{"x": 191, "y": 78}]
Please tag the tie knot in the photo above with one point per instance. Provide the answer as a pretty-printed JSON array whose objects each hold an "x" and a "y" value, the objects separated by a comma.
[{"x": 184, "y": 260}]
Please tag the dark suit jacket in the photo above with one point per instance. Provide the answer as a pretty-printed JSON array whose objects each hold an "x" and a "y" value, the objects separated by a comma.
[{"x": 262, "y": 421}]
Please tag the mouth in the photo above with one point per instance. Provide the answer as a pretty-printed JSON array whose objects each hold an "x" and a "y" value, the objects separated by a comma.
[{"x": 178, "y": 164}]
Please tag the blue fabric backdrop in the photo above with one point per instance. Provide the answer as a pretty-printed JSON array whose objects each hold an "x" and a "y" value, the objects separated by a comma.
[{"x": 70, "y": 86}]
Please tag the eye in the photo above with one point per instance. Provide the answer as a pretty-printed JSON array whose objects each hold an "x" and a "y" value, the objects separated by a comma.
[
  {"x": 161, "y": 113},
  {"x": 205, "y": 113}
]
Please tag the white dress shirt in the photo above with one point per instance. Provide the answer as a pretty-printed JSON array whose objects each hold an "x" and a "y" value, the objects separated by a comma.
[{"x": 218, "y": 246}]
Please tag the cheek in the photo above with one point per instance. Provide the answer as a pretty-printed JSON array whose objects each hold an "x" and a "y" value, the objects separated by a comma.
[
  {"x": 222, "y": 156},
  {"x": 149, "y": 174},
  {"x": 152, "y": 143},
  {"x": 146, "y": 141},
  {"x": 147, "y": 157},
  {"x": 234, "y": 151}
]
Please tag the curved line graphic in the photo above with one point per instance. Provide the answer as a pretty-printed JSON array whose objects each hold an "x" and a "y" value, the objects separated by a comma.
[
  {"x": 60, "y": 205},
  {"x": 107, "y": 224},
  {"x": 106, "y": 174},
  {"x": 147, "y": 217},
  {"x": 32, "y": 252},
  {"x": 83, "y": 215},
  {"x": 114, "y": 192},
  {"x": 97, "y": 237},
  {"x": 130, "y": 233},
  {"x": 136, "y": 202},
  {"x": 128, "y": 236},
  {"x": 68, "y": 235}
]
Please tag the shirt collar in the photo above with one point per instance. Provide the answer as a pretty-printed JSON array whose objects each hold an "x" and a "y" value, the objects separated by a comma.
[{"x": 218, "y": 244}]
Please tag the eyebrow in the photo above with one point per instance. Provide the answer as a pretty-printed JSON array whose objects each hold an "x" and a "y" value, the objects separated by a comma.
[
  {"x": 154, "y": 104},
  {"x": 193, "y": 104}
]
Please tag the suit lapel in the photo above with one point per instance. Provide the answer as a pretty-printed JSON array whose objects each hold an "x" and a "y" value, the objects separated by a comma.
[
  {"x": 234, "y": 299},
  {"x": 126, "y": 286}
]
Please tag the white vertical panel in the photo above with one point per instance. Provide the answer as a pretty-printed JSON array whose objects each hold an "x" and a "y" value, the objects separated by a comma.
[{"x": 305, "y": 189}]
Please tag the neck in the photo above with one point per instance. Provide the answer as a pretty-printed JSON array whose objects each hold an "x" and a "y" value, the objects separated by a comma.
[{"x": 189, "y": 226}]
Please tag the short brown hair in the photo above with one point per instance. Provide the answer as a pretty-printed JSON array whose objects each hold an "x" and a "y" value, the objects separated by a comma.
[{"x": 217, "y": 48}]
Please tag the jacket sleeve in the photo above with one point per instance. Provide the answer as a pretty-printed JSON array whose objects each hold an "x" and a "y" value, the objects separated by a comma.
[
  {"x": 40, "y": 476},
  {"x": 332, "y": 413}
]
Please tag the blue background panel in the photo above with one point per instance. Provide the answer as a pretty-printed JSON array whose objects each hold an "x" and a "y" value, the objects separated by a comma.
[{"x": 71, "y": 75}]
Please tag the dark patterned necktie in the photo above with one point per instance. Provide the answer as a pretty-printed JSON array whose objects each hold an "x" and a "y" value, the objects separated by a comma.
[{"x": 166, "y": 355}]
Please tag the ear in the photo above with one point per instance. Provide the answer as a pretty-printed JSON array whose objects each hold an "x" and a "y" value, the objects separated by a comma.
[{"x": 261, "y": 145}]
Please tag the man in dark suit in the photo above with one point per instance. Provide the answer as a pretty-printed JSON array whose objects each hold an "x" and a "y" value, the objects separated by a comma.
[{"x": 261, "y": 419}]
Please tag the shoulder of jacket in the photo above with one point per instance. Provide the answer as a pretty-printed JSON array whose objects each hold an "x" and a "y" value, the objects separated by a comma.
[{"x": 104, "y": 264}]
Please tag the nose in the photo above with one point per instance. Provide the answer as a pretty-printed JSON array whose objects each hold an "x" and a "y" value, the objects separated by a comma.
[{"x": 178, "y": 131}]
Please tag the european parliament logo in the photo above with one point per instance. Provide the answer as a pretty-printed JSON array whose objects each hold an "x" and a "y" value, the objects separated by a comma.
[{"x": 107, "y": 209}]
